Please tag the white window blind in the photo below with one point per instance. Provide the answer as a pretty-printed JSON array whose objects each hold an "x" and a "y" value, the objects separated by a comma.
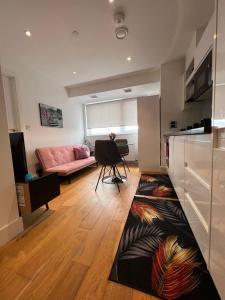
[{"x": 118, "y": 113}]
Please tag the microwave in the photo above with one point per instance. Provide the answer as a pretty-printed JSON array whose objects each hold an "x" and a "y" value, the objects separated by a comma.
[
  {"x": 201, "y": 81},
  {"x": 203, "y": 76},
  {"x": 190, "y": 91}
]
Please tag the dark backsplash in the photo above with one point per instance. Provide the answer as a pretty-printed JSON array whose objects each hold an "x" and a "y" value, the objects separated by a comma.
[{"x": 197, "y": 111}]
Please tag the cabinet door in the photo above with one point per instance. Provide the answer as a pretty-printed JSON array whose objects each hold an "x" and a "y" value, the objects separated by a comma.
[
  {"x": 217, "y": 253},
  {"x": 219, "y": 105},
  {"x": 198, "y": 171},
  {"x": 217, "y": 246},
  {"x": 171, "y": 158},
  {"x": 178, "y": 150},
  {"x": 205, "y": 42}
]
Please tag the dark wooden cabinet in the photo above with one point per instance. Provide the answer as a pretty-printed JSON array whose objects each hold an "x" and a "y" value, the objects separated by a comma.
[{"x": 37, "y": 192}]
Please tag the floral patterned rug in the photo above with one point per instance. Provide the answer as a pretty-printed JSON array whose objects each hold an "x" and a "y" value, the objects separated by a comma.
[{"x": 158, "y": 253}]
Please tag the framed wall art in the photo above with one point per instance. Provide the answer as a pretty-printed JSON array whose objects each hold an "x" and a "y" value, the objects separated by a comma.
[{"x": 50, "y": 116}]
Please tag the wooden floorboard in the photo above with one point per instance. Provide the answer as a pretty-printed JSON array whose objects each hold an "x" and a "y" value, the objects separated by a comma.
[{"x": 67, "y": 252}]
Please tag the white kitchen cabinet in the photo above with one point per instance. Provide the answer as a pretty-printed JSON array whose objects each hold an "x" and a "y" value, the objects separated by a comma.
[
  {"x": 178, "y": 169},
  {"x": 198, "y": 50},
  {"x": 198, "y": 156},
  {"x": 205, "y": 43},
  {"x": 189, "y": 56},
  {"x": 171, "y": 158},
  {"x": 217, "y": 246},
  {"x": 219, "y": 104},
  {"x": 198, "y": 172},
  {"x": 190, "y": 169},
  {"x": 217, "y": 251}
]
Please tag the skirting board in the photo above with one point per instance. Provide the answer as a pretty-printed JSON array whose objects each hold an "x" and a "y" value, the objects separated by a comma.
[
  {"x": 11, "y": 230},
  {"x": 158, "y": 170}
]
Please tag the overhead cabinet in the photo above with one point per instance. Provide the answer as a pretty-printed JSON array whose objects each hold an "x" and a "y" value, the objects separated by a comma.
[
  {"x": 199, "y": 48},
  {"x": 205, "y": 43}
]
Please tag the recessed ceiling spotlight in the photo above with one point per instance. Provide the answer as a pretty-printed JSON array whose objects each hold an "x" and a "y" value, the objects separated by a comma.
[
  {"x": 28, "y": 33},
  {"x": 94, "y": 96},
  {"x": 129, "y": 58},
  {"x": 74, "y": 72},
  {"x": 111, "y": 1},
  {"x": 75, "y": 33}
]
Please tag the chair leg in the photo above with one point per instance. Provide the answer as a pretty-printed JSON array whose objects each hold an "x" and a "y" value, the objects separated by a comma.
[
  {"x": 126, "y": 163},
  {"x": 99, "y": 178},
  {"x": 118, "y": 172},
  {"x": 124, "y": 167},
  {"x": 110, "y": 171},
  {"x": 103, "y": 173},
  {"x": 114, "y": 174}
]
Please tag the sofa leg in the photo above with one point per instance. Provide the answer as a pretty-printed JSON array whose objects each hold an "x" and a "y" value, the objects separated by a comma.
[{"x": 68, "y": 179}]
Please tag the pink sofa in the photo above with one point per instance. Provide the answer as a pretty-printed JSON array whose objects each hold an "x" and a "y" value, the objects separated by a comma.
[{"x": 62, "y": 159}]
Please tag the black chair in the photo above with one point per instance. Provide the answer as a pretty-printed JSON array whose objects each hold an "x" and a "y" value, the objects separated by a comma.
[
  {"x": 123, "y": 147},
  {"x": 107, "y": 154}
]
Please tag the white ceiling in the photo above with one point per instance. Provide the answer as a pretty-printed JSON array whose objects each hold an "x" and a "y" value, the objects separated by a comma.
[
  {"x": 159, "y": 30},
  {"x": 137, "y": 91}
]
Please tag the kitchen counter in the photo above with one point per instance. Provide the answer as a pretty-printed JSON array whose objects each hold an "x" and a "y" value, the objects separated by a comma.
[{"x": 200, "y": 130}]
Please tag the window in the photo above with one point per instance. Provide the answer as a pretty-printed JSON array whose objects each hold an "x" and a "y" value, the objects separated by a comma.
[{"x": 119, "y": 116}]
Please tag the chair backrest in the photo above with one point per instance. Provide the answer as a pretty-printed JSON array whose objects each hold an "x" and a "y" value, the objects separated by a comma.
[
  {"x": 123, "y": 146},
  {"x": 107, "y": 152}
]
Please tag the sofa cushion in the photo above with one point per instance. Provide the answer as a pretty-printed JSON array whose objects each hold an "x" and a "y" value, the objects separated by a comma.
[
  {"x": 54, "y": 156},
  {"x": 69, "y": 168},
  {"x": 81, "y": 152}
]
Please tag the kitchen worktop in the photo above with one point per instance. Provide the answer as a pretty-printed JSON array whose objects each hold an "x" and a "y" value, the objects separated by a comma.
[{"x": 200, "y": 130}]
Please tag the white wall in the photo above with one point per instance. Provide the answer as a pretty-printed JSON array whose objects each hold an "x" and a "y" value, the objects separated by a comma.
[
  {"x": 149, "y": 133},
  {"x": 32, "y": 89},
  {"x": 172, "y": 100},
  {"x": 10, "y": 222},
  {"x": 172, "y": 94},
  {"x": 11, "y": 103}
]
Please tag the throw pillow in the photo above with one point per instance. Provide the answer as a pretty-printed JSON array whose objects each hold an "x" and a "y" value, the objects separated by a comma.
[{"x": 81, "y": 152}]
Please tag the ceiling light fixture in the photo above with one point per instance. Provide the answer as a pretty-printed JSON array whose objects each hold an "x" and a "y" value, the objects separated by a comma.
[
  {"x": 121, "y": 30},
  {"x": 28, "y": 33},
  {"x": 129, "y": 58},
  {"x": 111, "y": 1},
  {"x": 74, "y": 72}
]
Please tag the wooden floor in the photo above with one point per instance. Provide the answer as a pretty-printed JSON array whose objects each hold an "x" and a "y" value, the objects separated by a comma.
[{"x": 69, "y": 252}]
